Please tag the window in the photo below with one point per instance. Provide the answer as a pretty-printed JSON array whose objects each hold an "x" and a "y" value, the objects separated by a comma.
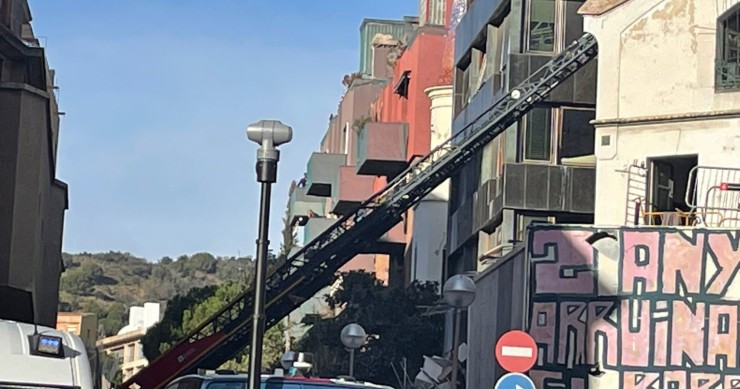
[
  {"x": 728, "y": 56},
  {"x": 538, "y": 135},
  {"x": 541, "y": 25},
  {"x": 577, "y": 133}
]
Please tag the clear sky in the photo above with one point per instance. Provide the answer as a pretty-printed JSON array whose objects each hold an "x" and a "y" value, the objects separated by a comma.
[{"x": 157, "y": 95}]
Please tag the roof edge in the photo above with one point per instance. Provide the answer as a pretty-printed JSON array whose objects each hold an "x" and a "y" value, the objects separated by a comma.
[{"x": 599, "y": 7}]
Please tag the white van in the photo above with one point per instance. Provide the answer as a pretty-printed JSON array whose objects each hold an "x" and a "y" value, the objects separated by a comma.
[{"x": 34, "y": 357}]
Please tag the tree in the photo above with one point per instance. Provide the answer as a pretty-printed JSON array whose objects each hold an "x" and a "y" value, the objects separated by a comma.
[
  {"x": 185, "y": 313},
  {"x": 393, "y": 318}
]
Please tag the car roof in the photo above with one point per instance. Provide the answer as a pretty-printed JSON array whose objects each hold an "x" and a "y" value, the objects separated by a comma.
[
  {"x": 339, "y": 383},
  {"x": 19, "y": 364}
]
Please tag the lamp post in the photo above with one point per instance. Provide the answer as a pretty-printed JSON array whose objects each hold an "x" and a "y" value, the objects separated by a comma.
[
  {"x": 353, "y": 336},
  {"x": 458, "y": 292},
  {"x": 268, "y": 134}
]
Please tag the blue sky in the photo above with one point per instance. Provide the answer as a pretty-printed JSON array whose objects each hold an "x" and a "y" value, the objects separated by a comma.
[{"x": 157, "y": 96}]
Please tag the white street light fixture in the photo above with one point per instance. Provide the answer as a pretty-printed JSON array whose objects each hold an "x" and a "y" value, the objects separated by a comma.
[
  {"x": 459, "y": 293},
  {"x": 353, "y": 336},
  {"x": 268, "y": 134}
]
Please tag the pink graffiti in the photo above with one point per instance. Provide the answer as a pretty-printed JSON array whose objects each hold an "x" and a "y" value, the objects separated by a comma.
[
  {"x": 636, "y": 323},
  {"x": 572, "y": 318},
  {"x": 639, "y": 380},
  {"x": 542, "y": 329},
  {"x": 682, "y": 262},
  {"x": 641, "y": 250},
  {"x": 686, "y": 323},
  {"x": 601, "y": 334},
  {"x": 722, "y": 335},
  {"x": 728, "y": 261},
  {"x": 563, "y": 262}
]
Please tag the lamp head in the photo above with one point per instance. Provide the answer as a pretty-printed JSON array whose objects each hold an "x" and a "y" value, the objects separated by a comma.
[
  {"x": 459, "y": 291},
  {"x": 269, "y": 134},
  {"x": 353, "y": 336}
]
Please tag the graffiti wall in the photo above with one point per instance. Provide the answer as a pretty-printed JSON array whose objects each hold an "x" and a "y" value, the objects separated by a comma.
[{"x": 640, "y": 308}]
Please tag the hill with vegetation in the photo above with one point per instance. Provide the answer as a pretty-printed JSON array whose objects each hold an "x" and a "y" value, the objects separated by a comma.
[{"x": 107, "y": 284}]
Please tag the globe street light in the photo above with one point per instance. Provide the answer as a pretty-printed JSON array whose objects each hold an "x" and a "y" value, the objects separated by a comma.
[
  {"x": 268, "y": 134},
  {"x": 459, "y": 293},
  {"x": 353, "y": 336}
]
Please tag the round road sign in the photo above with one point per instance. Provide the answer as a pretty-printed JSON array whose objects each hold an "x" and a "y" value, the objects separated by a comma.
[
  {"x": 514, "y": 381},
  {"x": 516, "y": 351}
]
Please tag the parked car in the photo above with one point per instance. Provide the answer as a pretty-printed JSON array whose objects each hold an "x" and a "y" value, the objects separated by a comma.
[{"x": 229, "y": 380}]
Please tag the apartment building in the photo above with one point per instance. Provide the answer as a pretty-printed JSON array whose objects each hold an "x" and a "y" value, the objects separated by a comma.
[
  {"x": 32, "y": 200},
  {"x": 126, "y": 346},
  {"x": 539, "y": 169},
  {"x": 84, "y": 325},
  {"x": 667, "y": 122},
  {"x": 411, "y": 116},
  {"x": 648, "y": 310},
  {"x": 332, "y": 186}
]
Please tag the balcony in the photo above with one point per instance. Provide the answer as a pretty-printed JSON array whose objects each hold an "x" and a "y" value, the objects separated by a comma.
[
  {"x": 580, "y": 88},
  {"x": 550, "y": 189},
  {"x": 389, "y": 243},
  {"x": 321, "y": 172},
  {"x": 382, "y": 149},
  {"x": 350, "y": 190},
  {"x": 302, "y": 204},
  {"x": 474, "y": 23}
]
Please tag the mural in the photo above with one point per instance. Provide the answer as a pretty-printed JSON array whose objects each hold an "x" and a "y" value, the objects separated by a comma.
[{"x": 642, "y": 308}]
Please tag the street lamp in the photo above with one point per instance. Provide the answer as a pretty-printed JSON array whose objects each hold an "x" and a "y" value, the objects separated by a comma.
[
  {"x": 458, "y": 292},
  {"x": 353, "y": 337},
  {"x": 268, "y": 134}
]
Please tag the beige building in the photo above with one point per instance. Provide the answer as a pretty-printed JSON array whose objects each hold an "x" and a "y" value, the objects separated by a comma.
[
  {"x": 668, "y": 111},
  {"x": 126, "y": 346},
  {"x": 84, "y": 325},
  {"x": 32, "y": 200}
]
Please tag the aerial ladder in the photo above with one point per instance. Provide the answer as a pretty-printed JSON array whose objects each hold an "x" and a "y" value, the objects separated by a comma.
[{"x": 227, "y": 332}]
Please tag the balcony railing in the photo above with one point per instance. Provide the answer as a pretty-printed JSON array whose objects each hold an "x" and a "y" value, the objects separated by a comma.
[{"x": 727, "y": 75}]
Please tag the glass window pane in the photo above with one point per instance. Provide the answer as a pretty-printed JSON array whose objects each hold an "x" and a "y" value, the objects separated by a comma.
[
  {"x": 538, "y": 136},
  {"x": 542, "y": 25},
  {"x": 577, "y": 135},
  {"x": 573, "y": 21}
]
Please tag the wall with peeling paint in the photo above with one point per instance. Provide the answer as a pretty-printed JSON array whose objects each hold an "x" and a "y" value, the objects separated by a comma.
[
  {"x": 646, "y": 308},
  {"x": 656, "y": 92}
]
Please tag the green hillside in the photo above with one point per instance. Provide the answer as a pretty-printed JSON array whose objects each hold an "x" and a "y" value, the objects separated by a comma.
[{"x": 109, "y": 283}]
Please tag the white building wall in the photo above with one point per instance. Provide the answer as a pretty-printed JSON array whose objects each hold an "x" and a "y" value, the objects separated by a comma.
[{"x": 656, "y": 93}]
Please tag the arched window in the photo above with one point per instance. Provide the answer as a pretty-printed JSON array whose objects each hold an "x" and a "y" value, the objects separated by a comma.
[{"x": 728, "y": 55}]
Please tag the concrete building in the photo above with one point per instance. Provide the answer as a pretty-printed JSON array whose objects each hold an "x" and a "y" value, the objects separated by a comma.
[
  {"x": 126, "y": 345},
  {"x": 84, "y": 325},
  {"x": 32, "y": 200},
  {"x": 667, "y": 140},
  {"x": 411, "y": 116},
  {"x": 655, "y": 300},
  {"x": 539, "y": 169}
]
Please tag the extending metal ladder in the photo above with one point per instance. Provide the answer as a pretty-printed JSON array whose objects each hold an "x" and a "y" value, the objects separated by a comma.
[{"x": 227, "y": 332}]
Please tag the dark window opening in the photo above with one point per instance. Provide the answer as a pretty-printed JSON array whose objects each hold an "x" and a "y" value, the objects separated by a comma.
[
  {"x": 538, "y": 135},
  {"x": 402, "y": 87},
  {"x": 577, "y": 135},
  {"x": 668, "y": 183},
  {"x": 727, "y": 69}
]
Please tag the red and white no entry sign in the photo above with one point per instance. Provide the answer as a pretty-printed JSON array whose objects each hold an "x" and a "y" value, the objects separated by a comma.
[{"x": 516, "y": 351}]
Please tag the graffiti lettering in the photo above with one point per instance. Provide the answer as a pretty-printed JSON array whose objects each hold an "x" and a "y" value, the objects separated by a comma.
[{"x": 664, "y": 314}]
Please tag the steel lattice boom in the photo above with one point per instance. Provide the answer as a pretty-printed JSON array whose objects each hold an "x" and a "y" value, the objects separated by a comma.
[{"x": 226, "y": 333}]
